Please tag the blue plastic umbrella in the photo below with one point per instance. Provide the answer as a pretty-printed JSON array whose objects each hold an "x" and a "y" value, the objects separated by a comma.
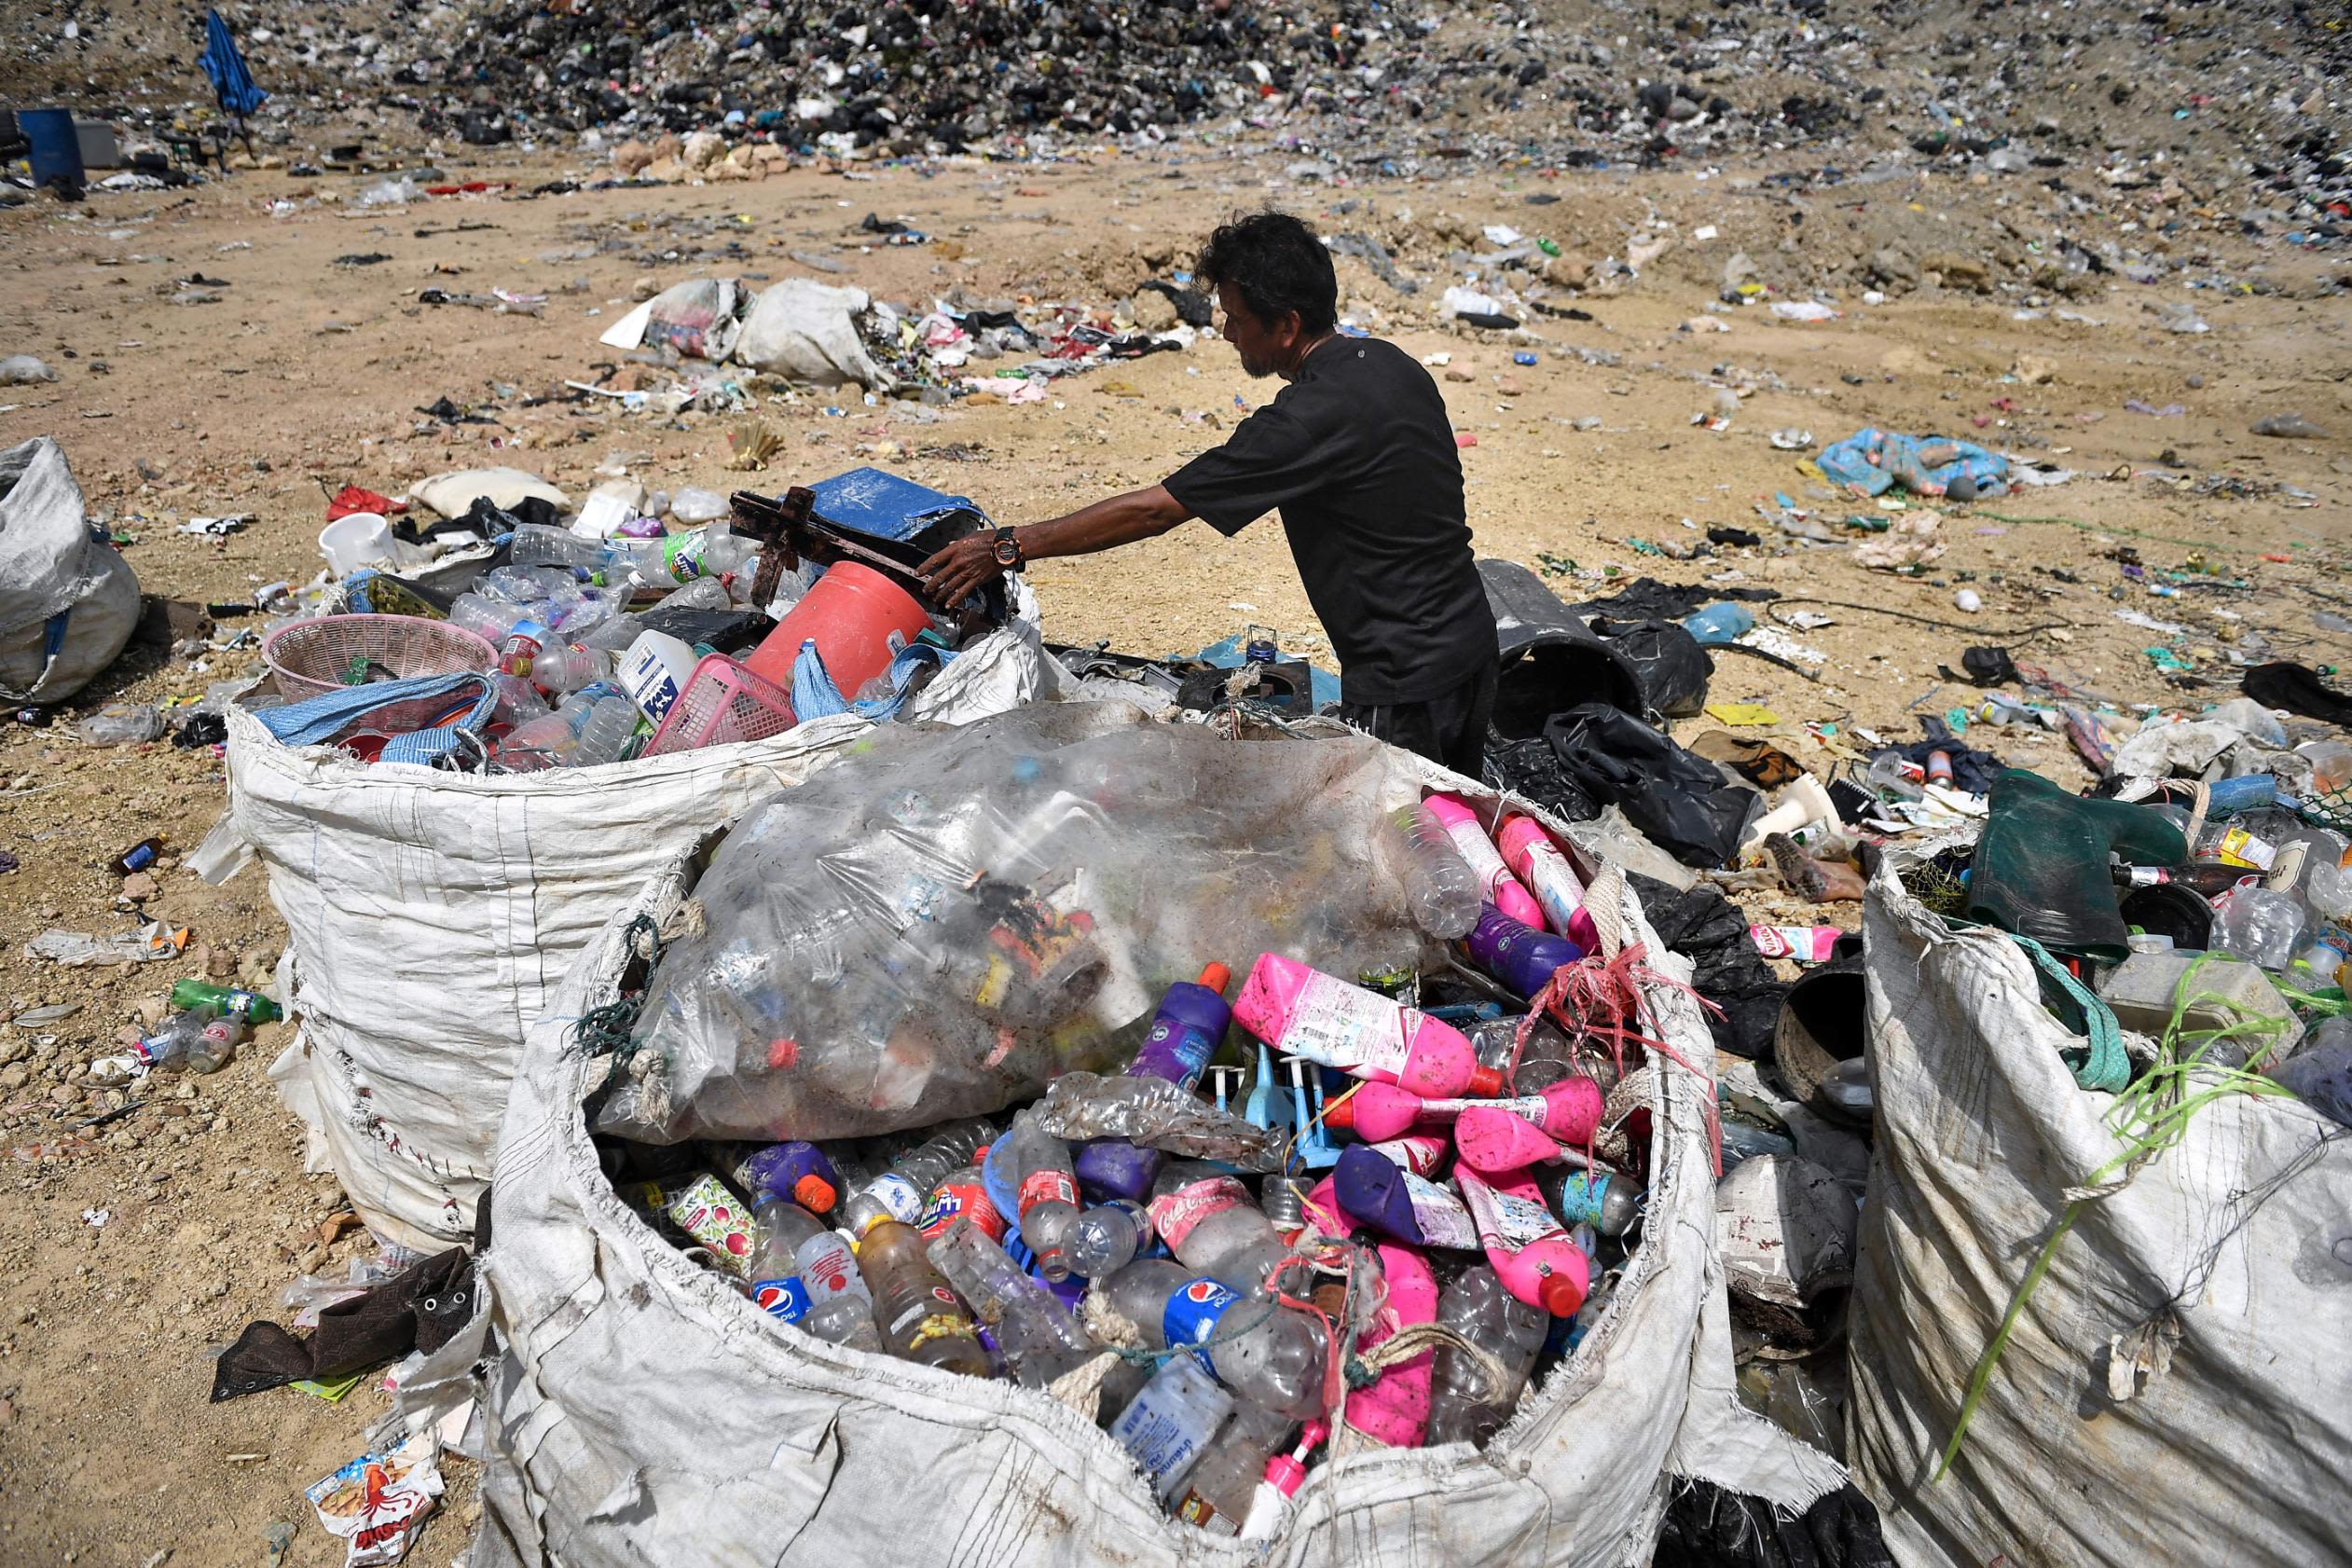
[{"x": 232, "y": 83}]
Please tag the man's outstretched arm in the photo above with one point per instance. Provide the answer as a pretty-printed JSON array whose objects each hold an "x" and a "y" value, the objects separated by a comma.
[{"x": 964, "y": 566}]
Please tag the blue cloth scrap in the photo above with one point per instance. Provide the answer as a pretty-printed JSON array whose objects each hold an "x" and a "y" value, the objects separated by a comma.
[
  {"x": 232, "y": 82},
  {"x": 816, "y": 696},
  {"x": 868, "y": 501},
  {"x": 1900, "y": 460},
  {"x": 316, "y": 720}
]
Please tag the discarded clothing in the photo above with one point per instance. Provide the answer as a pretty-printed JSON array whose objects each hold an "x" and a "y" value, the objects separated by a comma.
[
  {"x": 2297, "y": 689},
  {"x": 466, "y": 703},
  {"x": 816, "y": 696},
  {"x": 416, "y": 1310},
  {"x": 1873, "y": 461}
]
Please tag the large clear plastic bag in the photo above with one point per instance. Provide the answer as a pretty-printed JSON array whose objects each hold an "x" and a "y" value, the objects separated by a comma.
[{"x": 940, "y": 926}]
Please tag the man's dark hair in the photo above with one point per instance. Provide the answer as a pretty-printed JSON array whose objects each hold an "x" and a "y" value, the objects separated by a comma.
[{"x": 1277, "y": 265}]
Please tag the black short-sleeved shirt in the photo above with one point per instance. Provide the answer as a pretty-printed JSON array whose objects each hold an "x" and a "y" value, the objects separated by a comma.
[{"x": 1358, "y": 453}]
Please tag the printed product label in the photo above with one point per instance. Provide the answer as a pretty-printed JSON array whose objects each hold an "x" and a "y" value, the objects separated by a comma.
[
  {"x": 1162, "y": 1438},
  {"x": 1176, "y": 1214},
  {"x": 961, "y": 1199},
  {"x": 1580, "y": 1199},
  {"x": 786, "y": 1297},
  {"x": 1417, "y": 1152},
  {"x": 1344, "y": 1026},
  {"x": 2240, "y": 848},
  {"x": 1443, "y": 1220},
  {"x": 1188, "y": 1050},
  {"x": 1199, "y": 1512},
  {"x": 707, "y": 1211},
  {"x": 1191, "y": 1315},
  {"x": 827, "y": 1269},
  {"x": 377, "y": 1501},
  {"x": 899, "y": 1195},
  {"x": 1047, "y": 1186},
  {"x": 1534, "y": 1107},
  {"x": 1505, "y": 1221}
]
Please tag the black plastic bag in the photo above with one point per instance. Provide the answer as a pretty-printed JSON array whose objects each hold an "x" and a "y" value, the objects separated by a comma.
[
  {"x": 1684, "y": 803},
  {"x": 1667, "y": 601},
  {"x": 1674, "y": 668},
  {"x": 1708, "y": 1527},
  {"x": 1708, "y": 928},
  {"x": 1532, "y": 770}
]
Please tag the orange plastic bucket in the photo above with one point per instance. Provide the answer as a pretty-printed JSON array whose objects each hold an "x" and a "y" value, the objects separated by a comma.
[{"x": 859, "y": 620}]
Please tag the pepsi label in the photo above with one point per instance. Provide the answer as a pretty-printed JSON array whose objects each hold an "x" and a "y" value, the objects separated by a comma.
[
  {"x": 1192, "y": 1313},
  {"x": 787, "y": 1298}
]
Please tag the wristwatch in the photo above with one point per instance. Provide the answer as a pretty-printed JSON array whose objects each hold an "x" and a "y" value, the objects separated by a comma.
[{"x": 1008, "y": 550}]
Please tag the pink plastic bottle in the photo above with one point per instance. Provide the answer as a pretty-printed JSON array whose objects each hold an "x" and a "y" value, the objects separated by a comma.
[
  {"x": 1462, "y": 826},
  {"x": 1569, "y": 1109},
  {"x": 1419, "y": 1152},
  {"x": 1498, "y": 1137},
  {"x": 1395, "y": 1408},
  {"x": 1310, "y": 1014},
  {"x": 1531, "y": 1254},
  {"x": 1538, "y": 862}
]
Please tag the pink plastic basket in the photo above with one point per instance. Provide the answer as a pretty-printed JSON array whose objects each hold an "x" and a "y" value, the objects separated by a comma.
[
  {"x": 721, "y": 702},
  {"x": 308, "y": 658}
]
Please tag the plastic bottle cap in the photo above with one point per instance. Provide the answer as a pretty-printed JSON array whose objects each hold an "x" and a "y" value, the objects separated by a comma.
[
  {"x": 813, "y": 1194},
  {"x": 1561, "y": 1296},
  {"x": 1286, "y": 1474},
  {"x": 1486, "y": 1083},
  {"x": 1340, "y": 1115},
  {"x": 1216, "y": 976}
]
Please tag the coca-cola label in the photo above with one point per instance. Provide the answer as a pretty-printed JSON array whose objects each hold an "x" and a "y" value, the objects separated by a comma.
[
  {"x": 787, "y": 1298},
  {"x": 1048, "y": 1185},
  {"x": 961, "y": 1199},
  {"x": 1191, "y": 1315},
  {"x": 1348, "y": 1028},
  {"x": 1176, "y": 1214}
]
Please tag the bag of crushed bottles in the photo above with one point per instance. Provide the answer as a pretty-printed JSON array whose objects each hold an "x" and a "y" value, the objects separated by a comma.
[{"x": 945, "y": 928}]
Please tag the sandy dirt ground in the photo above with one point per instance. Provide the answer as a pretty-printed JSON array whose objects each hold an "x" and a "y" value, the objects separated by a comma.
[{"x": 132, "y": 1252}]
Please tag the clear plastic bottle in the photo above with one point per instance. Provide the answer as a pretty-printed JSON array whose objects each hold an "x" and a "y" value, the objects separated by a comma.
[
  {"x": 1462, "y": 1407},
  {"x": 1275, "y": 1362},
  {"x": 898, "y": 1192},
  {"x": 1046, "y": 1186},
  {"x": 1218, "y": 1492},
  {"x": 1168, "y": 1423},
  {"x": 805, "y": 1274},
  {"x": 1610, "y": 1204},
  {"x": 2259, "y": 926},
  {"x": 605, "y": 734},
  {"x": 489, "y": 619},
  {"x": 1441, "y": 890},
  {"x": 216, "y": 1045},
  {"x": 561, "y": 666},
  {"x": 1039, "y": 1337},
  {"x": 536, "y": 546},
  {"x": 1105, "y": 1238},
  {"x": 1208, "y": 1221},
  {"x": 920, "y": 1318}
]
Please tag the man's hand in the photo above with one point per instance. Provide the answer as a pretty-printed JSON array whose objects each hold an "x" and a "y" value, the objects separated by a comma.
[{"x": 963, "y": 568}]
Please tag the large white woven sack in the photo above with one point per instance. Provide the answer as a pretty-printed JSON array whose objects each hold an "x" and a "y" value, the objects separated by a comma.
[
  {"x": 634, "y": 1409},
  {"x": 2175, "y": 1388},
  {"x": 430, "y": 916}
]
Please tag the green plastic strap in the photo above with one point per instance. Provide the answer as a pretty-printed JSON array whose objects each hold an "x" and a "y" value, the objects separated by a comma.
[{"x": 2103, "y": 1066}]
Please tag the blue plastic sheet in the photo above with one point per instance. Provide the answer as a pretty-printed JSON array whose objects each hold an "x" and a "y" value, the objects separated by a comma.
[
  {"x": 870, "y": 502},
  {"x": 1873, "y": 461}
]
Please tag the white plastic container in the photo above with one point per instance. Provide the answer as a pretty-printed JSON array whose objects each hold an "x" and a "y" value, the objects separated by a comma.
[
  {"x": 654, "y": 670},
  {"x": 355, "y": 542}
]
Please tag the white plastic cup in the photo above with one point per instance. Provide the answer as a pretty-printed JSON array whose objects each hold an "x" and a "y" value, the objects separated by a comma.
[{"x": 355, "y": 542}]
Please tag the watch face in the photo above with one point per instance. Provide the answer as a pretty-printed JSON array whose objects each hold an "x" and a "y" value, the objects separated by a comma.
[{"x": 1007, "y": 552}]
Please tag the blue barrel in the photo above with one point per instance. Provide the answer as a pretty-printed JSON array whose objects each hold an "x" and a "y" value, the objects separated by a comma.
[{"x": 56, "y": 149}]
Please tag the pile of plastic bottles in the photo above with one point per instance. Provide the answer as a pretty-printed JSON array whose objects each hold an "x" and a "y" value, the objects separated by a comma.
[
  {"x": 581, "y": 679},
  {"x": 1439, "y": 1177},
  {"x": 203, "y": 1036}
]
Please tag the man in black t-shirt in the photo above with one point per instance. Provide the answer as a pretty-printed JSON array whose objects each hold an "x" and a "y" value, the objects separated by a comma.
[{"x": 1358, "y": 454}]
